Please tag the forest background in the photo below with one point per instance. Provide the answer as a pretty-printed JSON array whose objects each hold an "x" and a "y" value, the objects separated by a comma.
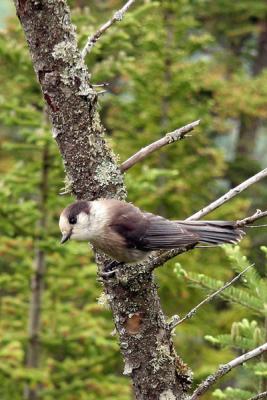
[{"x": 167, "y": 63}]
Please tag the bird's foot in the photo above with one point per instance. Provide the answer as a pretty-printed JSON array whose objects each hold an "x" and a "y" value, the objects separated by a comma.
[{"x": 110, "y": 269}]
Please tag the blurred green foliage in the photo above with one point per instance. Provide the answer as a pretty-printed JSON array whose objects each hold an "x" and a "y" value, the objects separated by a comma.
[
  {"x": 245, "y": 334},
  {"x": 168, "y": 63}
]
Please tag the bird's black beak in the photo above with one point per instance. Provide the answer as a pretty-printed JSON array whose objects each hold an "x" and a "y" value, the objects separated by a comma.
[{"x": 65, "y": 237}]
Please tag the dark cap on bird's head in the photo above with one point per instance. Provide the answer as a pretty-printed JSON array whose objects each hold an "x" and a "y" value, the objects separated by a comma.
[{"x": 69, "y": 218}]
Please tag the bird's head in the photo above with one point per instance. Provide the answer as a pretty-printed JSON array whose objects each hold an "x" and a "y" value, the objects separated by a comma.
[{"x": 74, "y": 221}]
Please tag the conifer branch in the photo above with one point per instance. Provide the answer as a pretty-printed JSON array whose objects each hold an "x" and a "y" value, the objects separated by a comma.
[
  {"x": 118, "y": 16},
  {"x": 225, "y": 368},
  {"x": 259, "y": 396},
  {"x": 175, "y": 321},
  {"x": 169, "y": 138},
  {"x": 19, "y": 231}
]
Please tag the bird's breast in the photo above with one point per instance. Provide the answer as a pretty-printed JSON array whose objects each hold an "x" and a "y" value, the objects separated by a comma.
[{"x": 114, "y": 246}]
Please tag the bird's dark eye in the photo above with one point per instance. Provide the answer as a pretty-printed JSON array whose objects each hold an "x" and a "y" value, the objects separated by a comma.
[{"x": 72, "y": 220}]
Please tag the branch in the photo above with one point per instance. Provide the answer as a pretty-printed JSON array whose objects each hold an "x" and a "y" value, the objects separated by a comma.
[
  {"x": 161, "y": 257},
  {"x": 169, "y": 138},
  {"x": 249, "y": 220},
  {"x": 189, "y": 315},
  {"x": 229, "y": 195},
  {"x": 118, "y": 16},
  {"x": 259, "y": 396},
  {"x": 224, "y": 369}
]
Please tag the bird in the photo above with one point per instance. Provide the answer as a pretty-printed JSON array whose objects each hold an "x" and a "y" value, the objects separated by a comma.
[{"x": 128, "y": 235}]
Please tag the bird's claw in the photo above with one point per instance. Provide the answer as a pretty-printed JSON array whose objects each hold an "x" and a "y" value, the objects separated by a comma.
[
  {"x": 107, "y": 274},
  {"x": 110, "y": 269}
]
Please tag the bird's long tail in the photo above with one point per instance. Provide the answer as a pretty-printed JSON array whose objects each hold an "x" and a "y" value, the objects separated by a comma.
[{"x": 215, "y": 232}]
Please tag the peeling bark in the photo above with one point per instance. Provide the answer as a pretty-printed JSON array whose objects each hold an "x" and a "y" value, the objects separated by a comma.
[{"x": 145, "y": 339}]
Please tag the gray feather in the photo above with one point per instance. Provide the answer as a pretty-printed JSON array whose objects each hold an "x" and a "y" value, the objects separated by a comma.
[
  {"x": 215, "y": 232},
  {"x": 164, "y": 234}
]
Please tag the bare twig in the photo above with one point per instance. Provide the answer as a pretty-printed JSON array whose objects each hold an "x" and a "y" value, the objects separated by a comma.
[
  {"x": 229, "y": 195},
  {"x": 259, "y": 396},
  {"x": 104, "y": 84},
  {"x": 190, "y": 314},
  {"x": 101, "y": 92},
  {"x": 224, "y": 369},
  {"x": 170, "y": 137},
  {"x": 249, "y": 220},
  {"x": 118, "y": 16}
]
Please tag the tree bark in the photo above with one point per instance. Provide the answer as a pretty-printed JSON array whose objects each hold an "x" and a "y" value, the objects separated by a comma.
[{"x": 145, "y": 339}]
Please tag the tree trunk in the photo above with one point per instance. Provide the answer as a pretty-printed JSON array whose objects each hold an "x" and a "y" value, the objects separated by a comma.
[
  {"x": 145, "y": 339},
  {"x": 249, "y": 125},
  {"x": 164, "y": 121},
  {"x": 37, "y": 283}
]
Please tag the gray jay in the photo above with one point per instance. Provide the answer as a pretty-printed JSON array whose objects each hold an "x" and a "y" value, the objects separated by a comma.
[{"x": 127, "y": 234}]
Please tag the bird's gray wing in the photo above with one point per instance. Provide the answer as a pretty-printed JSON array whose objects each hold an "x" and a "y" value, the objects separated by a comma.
[
  {"x": 145, "y": 231},
  {"x": 164, "y": 234}
]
